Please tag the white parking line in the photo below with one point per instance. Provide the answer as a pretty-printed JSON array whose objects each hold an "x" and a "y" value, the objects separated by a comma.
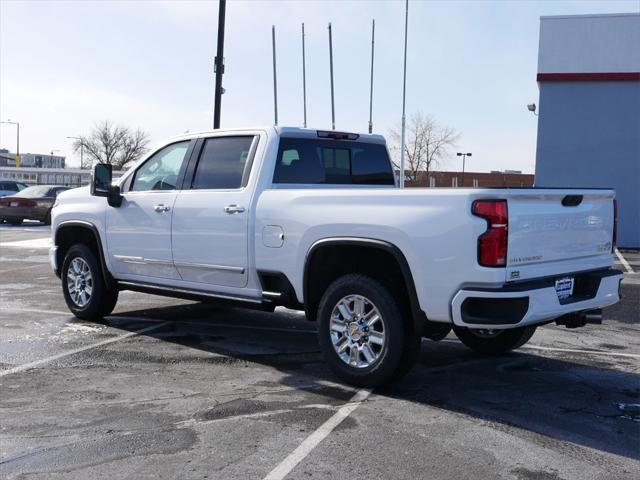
[
  {"x": 312, "y": 441},
  {"x": 624, "y": 262},
  {"x": 578, "y": 350},
  {"x": 35, "y": 310},
  {"x": 221, "y": 325},
  {"x": 566, "y": 350},
  {"x": 27, "y": 366}
]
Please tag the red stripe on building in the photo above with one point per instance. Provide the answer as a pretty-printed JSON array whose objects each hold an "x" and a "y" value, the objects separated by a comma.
[{"x": 590, "y": 77}]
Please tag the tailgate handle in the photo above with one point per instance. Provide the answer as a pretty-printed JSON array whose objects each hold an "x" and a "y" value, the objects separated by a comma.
[{"x": 572, "y": 200}]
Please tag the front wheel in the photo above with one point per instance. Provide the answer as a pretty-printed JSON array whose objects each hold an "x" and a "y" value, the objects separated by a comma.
[
  {"x": 83, "y": 286},
  {"x": 494, "y": 342},
  {"x": 362, "y": 334}
]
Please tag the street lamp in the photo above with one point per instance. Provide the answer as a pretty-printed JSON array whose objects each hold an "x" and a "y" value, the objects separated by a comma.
[
  {"x": 464, "y": 158},
  {"x": 82, "y": 149},
  {"x": 532, "y": 108},
  {"x": 17, "y": 124}
]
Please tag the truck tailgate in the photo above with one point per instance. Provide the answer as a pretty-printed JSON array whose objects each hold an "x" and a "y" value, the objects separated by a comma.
[{"x": 554, "y": 227}]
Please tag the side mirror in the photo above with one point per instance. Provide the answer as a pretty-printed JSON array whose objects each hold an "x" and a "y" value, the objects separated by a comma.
[
  {"x": 101, "y": 180},
  {"x": 101, "y": 184}
]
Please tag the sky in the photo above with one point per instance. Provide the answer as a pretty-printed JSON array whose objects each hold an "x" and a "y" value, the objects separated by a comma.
[{"x": 66, "y": 65}]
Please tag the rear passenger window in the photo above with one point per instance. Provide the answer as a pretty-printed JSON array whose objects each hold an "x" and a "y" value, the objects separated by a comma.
[
  {"x": 317, "y": 161},
  {"x": 222, "y": 163}
]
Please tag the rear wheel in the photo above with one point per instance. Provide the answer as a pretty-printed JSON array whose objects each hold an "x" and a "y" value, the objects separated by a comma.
[
  {"x": 15, "y": 221},
  {"x": 362, "y": 334},
  {"x": 494, "y": 342},
  {"x": 83, "y": 286}
]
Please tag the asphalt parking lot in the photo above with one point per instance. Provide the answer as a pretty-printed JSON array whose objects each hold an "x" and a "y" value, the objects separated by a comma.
[{"x": 171, "y": 389}]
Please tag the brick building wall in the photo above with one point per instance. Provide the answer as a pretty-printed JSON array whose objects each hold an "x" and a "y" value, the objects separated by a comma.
[{"x": 472, "y": 179}]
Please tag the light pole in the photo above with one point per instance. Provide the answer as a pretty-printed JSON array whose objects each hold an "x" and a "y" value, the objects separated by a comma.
[
  {"x": 464, "y": 158},
  {"x": 219, "y": 65},
  {"x": 17, "y": 124},
  {"x": 82, "y": 149}
]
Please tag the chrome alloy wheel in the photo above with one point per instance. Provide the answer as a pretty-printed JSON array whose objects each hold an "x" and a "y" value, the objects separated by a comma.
[
  {"x": 357, "y": 331},
  {"x": 79, "y": 282}
]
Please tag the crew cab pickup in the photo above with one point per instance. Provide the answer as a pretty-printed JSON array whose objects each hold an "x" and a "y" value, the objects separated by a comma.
[{"x": 314, "y": 220}]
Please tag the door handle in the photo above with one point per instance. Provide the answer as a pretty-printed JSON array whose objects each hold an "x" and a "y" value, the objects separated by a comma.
[
  {"x": 234, "y": 209},
  {"x": 161, "y": 208}
]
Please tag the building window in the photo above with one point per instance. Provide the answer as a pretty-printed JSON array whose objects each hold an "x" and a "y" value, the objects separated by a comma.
[
  {"x": 432, "y": 182},
  {"x": 454, "y": 182},
  {"x": 475, "y": 183}
]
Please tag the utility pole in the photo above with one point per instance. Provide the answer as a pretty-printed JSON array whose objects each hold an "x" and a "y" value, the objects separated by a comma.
[
  {"x": 333, "y": 108},
  {"x": 304, "y": 81},
  {"x": 17, "y": 124},
  {"x": 404, "y": 92},
  {"x": 373, "y": 34},
  {"x": 81, "y": 150},
  {"x": 275, "y": 80},
  {"x": 219, "y": 64}
]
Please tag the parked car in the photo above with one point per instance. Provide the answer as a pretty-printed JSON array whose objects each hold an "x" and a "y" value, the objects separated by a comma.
[
  {"x": 314, "y": 221},
  {"x": 9, "y": 187},
  {"x": 32, "y": 203}
]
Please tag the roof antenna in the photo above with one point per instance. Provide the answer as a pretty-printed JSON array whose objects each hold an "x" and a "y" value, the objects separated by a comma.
[
  {"x": 275, "y": 81},
  {"x": 304, "y": 81},
  {"x": 373, "y": 34},
  {"x": 333, "y": 108}
]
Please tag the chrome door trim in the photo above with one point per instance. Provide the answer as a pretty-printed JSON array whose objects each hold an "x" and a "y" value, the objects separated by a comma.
[
  {"x": 207, "y": 266},
  {"x": 141, "y": 260},
  {"x": 165, "y": 288}
]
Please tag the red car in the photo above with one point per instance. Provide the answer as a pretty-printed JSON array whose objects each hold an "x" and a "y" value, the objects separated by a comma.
[{"x": 32, "y": 203}]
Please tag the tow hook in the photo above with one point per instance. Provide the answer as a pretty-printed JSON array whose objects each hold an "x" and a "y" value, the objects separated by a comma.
[{"x": 580, "y": 319}]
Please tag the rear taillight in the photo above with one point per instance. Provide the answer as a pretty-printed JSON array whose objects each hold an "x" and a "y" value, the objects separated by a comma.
[
  {"x": 614, "y": 239},
  {"x": 492, "y": 244}
]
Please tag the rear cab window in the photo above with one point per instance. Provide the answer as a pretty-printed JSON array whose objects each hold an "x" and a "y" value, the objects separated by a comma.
[{"x": 314, "y": 161}]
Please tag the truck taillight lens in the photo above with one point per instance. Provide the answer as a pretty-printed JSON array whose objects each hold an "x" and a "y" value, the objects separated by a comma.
[
  {"x": 492, "y": 244},
  {"x": 614, "y": 240}
]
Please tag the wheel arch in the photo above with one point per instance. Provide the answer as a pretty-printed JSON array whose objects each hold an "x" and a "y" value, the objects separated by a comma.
[
  {"x": 345, "y": 245},
  {"x": 71, "y": 232}
]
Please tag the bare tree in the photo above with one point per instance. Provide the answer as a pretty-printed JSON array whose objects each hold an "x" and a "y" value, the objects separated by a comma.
[
  {"x": 113, "y": 144},
  {"x": 426, "y": 143}
]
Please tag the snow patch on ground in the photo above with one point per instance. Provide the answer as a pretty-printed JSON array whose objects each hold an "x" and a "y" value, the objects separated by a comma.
[{"x": 31, "y": 243}]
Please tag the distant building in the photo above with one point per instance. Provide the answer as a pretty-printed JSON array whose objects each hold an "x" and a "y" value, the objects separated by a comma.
[
  {"x": 70, "y": 177},
  {"x": 34, "y": 160},
  {"x": 506, "y": 179},
  {"x": 589, "y": 124}
]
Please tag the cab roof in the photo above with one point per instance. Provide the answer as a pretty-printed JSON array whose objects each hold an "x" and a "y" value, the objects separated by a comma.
[{"x": 294, "y": 132}]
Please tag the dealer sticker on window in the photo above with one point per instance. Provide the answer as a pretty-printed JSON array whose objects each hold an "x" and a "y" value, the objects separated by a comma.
[{"x": 564, "y": 287}]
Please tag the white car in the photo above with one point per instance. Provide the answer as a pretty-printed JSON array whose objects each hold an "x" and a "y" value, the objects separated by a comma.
[{"x": 313, "y": 220}]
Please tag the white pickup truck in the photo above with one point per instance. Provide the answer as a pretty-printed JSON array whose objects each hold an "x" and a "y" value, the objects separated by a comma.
[{"x": 313, "y": 220}]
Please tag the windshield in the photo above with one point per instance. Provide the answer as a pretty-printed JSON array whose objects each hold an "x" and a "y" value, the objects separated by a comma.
[{"x": 35, "y": 192}]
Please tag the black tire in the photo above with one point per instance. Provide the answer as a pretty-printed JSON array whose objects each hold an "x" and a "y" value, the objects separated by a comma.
[
  {"x": 401, "y": 345},
  {"x": 102, "y": 300},
  {"x": 15, "y": 221},
  {"x": 502, "y": 342},
  {"x": 47, "y": 218}
]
